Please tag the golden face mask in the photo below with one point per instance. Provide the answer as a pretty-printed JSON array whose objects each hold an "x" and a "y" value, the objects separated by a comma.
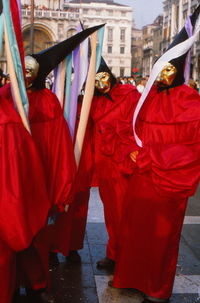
[
  {"x": 167, "y": 75},
  {"x": 102, "y": 82},
  {"x": 31, "y": 68}
]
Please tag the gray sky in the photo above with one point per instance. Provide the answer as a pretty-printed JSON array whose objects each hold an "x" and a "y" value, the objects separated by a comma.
[{"x": 145, "y": 11}]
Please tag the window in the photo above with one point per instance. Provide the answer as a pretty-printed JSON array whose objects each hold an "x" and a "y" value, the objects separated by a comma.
[
  {"x": 71, "y": 32},
  {"x": 122, "y": 34},
  {"x": 109, "y": 49},
  {"x": 110, "y": 34},
  {"x": 110, "y": 13},
  {"x": 85, "y": 11},
  {"x": 121, "y": 72},
  {"x": 122, "y": 49},
  {"x": 123, "y": 14}
]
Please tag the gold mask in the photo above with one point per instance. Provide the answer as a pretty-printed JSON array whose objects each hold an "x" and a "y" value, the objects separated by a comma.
[
  {"x": 167, "y": 75},
  {"x": 102, "y": 82},
  {"x": 31, "y": 67}
]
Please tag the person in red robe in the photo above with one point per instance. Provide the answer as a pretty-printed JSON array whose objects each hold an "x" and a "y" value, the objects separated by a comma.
[
  {"x": 51, "y": 135},
  {"x": 109, "y": 126},
  {"x": 167, "y": 172},
  {"x": 23, "y": 194},
  {"x": 53, "y": 141}
]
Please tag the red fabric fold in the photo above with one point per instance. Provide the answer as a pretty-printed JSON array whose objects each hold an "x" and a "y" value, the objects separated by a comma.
[
  {"x": 113, "y": 134},
  {"x": 155, "y": 203},
  {"x": 169, "y": 125},
  {"x": 51, "y": 134},
  {"x": 23, "y": 189}
]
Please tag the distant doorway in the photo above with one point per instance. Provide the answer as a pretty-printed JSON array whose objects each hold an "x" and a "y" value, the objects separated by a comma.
[{"x": 42, "y": 40}]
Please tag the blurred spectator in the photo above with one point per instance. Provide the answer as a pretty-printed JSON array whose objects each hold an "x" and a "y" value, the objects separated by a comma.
[
  {"x": 7, "y": 79},
  {"x": 48, "y": 83},
  {"x": 125, "y": 80},
  {"x": 121, "y": 80},
  {"x": 140, "y": 84},
  {"x": 192, "y": 84},
  {"x": 2, "y": 78},
  {"x": 131, "y": 81}
]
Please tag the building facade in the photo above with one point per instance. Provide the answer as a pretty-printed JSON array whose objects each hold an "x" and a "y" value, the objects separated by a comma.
[
  {"x": 136, "y": 51},
  {"x": 117, "y": 37},
  {"x": 152, "y": 38},
  {"x": 175, "y": 13},
  {"x": 158, "y": 36},
  {"x": 56, "y": 20}
]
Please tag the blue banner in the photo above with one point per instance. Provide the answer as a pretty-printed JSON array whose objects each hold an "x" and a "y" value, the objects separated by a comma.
[{"x": 15, "y": 54}]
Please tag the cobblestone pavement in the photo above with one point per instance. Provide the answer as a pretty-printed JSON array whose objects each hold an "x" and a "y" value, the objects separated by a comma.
[{"x": 84, "y": 283}]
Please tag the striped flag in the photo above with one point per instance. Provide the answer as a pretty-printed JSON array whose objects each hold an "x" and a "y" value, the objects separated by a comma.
[{"x": 13, "y": 42}]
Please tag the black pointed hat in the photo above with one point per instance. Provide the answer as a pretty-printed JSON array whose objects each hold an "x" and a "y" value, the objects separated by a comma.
[
  {"x": 1, "y": 6},
  {"x": 49, "y": 58},
  {"x": 179, "y": 62},
  {"x": 103, "y": 67}
]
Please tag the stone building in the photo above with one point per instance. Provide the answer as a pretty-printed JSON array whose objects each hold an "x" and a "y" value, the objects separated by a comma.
[
  {"x": 157, "y": 38},
  {"x": 55, "y": 20},
  {"x": 174, "y": 16},
  {"x": 117, "y": 38},
  {"x": 136, "y": 51},
  {"x": 152, "y": 38},
  {"x": 147, "y": 32}
]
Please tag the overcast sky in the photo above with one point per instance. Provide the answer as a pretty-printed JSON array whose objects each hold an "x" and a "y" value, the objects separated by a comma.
[{"x": 145, "y": 11}]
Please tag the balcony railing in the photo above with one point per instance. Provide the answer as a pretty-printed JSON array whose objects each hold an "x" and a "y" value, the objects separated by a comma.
[{"x": 50, "y": 14}]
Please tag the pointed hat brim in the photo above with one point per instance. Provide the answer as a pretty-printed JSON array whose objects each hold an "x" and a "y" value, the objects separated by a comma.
[{"x": 49, "y": 58}]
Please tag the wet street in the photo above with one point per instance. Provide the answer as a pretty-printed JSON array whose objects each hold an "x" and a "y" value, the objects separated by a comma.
[{"x": 84, "y": 283}]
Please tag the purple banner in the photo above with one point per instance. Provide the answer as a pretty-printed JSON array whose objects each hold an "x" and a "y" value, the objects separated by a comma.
[{"x": 74, "y": 91}]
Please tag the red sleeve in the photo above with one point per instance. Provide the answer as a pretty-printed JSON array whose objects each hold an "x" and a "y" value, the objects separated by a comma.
[
  {"x": 125, "y": 142},
  {"x": 23, "y": 198}
]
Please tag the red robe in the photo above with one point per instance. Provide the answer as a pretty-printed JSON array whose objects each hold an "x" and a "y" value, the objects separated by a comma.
[
  {"x": 112, "y": 121},
  {"x": 53, "y": 141},
  {"x": 23, "y": 193},
  {"x": 7, "y": 272},
  {"x": 167, "y": 173},
  {"x": 52, "y": 137},
  {"x": 110, "y": 147},
  {"x": 21, "y": 173},
  {"x": 72, "y": 225}
]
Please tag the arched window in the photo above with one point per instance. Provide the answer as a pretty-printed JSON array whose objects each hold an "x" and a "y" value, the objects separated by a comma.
[{"x": 71, "y": 32}]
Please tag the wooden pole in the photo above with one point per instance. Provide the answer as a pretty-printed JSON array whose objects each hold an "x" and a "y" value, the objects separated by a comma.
[{"x": 32, "y": 27}]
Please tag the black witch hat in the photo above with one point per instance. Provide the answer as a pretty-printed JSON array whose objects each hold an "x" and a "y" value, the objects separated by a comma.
[
  {"x": 179, "y": 62},
  {"x": 104, "y": 68},
  {"x": 49, "y": 58}
]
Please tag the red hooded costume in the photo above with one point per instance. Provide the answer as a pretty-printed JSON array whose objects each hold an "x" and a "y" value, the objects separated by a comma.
[
  {"x": 167, "y": 173},
  {"x": 23, "y": 194},
  {"x": 107, "y": 136},
  {"x": 53, "y": 141}
]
